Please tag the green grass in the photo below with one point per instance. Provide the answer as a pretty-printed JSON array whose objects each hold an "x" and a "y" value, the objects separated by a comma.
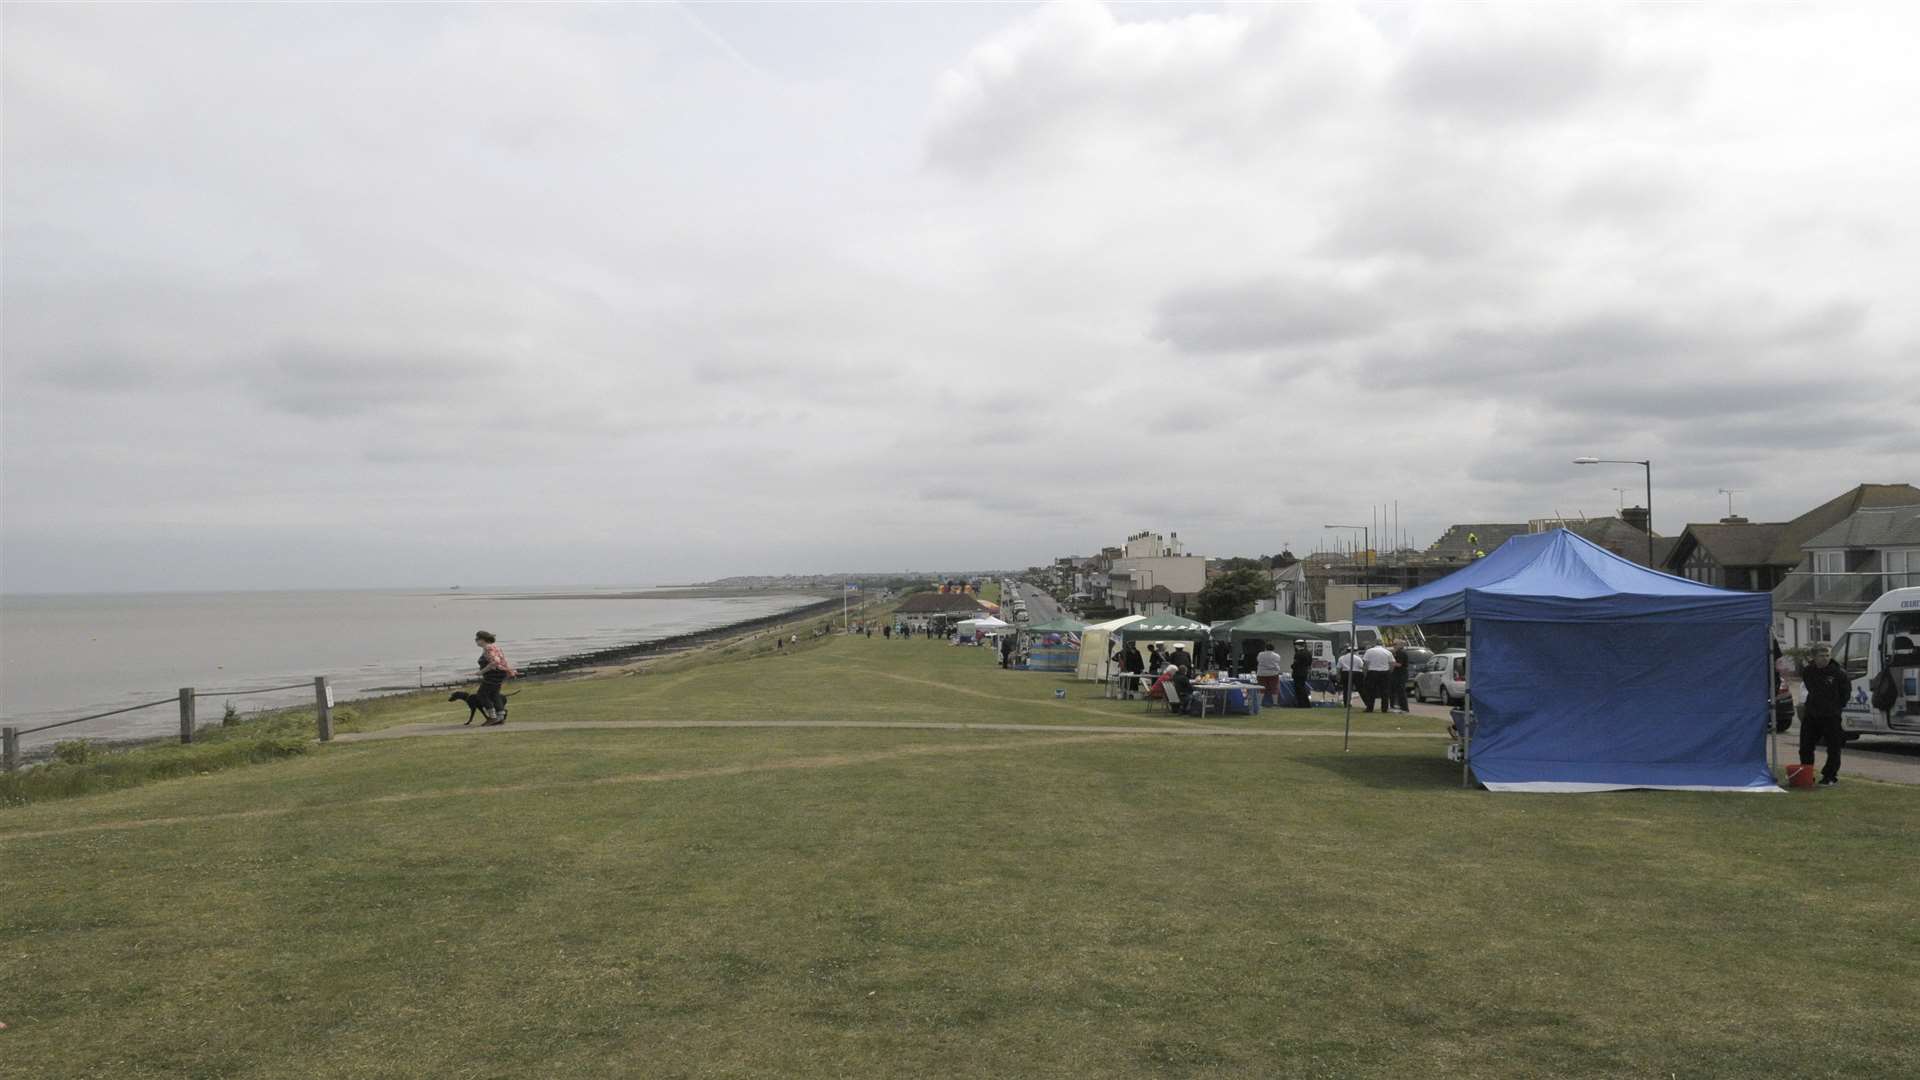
[{"x": 838, "y": 902}]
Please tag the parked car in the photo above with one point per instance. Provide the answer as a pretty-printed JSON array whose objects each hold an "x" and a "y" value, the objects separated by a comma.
[{"x": 1443, "y": 679}]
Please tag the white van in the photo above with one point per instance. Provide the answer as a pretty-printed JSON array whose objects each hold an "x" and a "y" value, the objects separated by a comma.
[
  {"x": 1886, "y": 637},
  {"x": 1325, "y": 652}
]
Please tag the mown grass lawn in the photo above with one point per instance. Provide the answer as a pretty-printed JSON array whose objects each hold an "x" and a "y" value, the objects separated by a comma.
[{"x": 858, "y": 902}]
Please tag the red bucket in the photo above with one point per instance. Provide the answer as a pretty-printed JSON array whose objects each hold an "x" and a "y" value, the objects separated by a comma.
[{"x": 1800, "y": 776}]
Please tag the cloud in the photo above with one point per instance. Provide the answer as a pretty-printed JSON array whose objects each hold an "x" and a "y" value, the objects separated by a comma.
[
  {"x": 1265, "y": 315},
  {"x": 325, "y": 382},
  {"x": 991, "y": 283},
  {"x": 1494, "y": 69}
]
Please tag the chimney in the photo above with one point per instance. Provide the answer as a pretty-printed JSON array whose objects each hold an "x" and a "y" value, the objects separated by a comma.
[
  {"x": 1735, "y": 519},
  {"x": 1635, "y": 516}
]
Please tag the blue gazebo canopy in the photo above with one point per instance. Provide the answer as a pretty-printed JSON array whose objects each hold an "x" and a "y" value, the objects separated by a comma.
[{"x": 1590, "y": 672}]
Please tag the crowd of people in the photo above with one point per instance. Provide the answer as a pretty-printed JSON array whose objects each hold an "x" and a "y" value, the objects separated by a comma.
[{"x": 1379, "y": 674}]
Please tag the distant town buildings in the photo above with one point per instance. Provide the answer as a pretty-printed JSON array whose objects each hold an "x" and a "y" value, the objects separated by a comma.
[{"x": 1823, "y": 567}]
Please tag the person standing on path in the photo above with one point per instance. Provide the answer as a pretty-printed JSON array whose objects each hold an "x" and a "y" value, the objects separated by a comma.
[
  {"x": 1266, "y": 667},
  {"x": 1397, "y": 699},
  {"x": 1378, "y": 665},
  {"x": 1348, "y": 668},
  {"x": 1302, "y": 676},
  {"x": 494, "y": 672},
  {"x": 1827, "y": 691}
]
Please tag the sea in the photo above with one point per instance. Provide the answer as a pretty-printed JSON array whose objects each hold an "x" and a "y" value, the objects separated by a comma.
[{"x": 71, "y": 655}]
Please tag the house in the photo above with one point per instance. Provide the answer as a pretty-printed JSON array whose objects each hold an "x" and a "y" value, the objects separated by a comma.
[
  {"x": 1845, "y": 569},
  {"x": 1733, "y": 553},
  {"x": 1757, "y": 556},
  {"x": 922, "y": 608},
  {"x": 1180, "y": 575},
  {"x": 1292, "y": 594},
  {"x": 1158, "y": 600}
]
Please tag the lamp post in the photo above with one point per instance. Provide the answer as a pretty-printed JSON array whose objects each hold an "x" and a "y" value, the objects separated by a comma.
[
  {"x": 1365, "y": 539},
  {"x": 1647, "y": 465}
]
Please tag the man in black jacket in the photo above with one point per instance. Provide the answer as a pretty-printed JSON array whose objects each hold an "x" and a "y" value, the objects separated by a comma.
[
  {"x": 1302, "y": 674},
  {"x": 1827, "y": 691}
]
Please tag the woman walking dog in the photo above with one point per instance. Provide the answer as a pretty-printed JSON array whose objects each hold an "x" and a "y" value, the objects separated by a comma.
[{"x": 494, "y": 671}]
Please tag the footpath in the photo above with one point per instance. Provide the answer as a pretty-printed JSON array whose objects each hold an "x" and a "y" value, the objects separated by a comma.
[
  {"x": 416, "y": 731},
  {"x": 1887, "y": 761}
]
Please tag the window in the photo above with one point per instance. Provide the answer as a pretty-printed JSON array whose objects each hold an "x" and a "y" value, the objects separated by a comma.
[
  {"x": 1901, "y": 566},
  {"x": 1827, "y": 562},
  {"x": 1851, "y": 654}
]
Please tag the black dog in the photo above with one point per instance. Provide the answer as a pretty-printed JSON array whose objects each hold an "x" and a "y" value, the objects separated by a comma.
[{"x": 478, "y": 704}]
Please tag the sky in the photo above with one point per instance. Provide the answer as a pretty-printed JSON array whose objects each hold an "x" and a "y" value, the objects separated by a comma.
[{"x": 300, "y": 296}]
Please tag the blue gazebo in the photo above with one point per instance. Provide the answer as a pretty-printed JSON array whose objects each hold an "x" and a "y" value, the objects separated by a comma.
[{"x": 1591, "y": 673}]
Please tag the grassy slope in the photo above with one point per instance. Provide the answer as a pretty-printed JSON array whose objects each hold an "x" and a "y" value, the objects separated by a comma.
[{"x": 780, "y": 902}]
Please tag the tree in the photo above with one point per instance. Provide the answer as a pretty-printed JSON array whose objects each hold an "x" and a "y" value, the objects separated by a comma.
[
  {"x": 1227, "y": 566},
  {"x": 1232, "y": 595}
]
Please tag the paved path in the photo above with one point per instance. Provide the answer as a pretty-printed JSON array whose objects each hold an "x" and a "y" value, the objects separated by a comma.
[
  {"x": 416, "y": 731},
  {"x": 1871, "y": 758}
]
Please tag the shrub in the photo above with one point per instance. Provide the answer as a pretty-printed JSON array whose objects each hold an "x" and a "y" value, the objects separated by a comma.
[
  {"x": 98, "y": 772},
  {"x": 73, "y": 751},
  {"x": 231, "y": 716}
]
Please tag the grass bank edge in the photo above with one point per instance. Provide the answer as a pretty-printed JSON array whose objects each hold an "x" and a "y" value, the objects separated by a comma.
[{"x": 278, "y": 734}]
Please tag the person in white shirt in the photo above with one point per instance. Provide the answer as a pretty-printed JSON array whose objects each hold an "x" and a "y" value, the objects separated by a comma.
[
  {"x": 1349, "y": 668},
  {"x": 1267, "y": 667},
  {"x": 1379, "y": 673}
]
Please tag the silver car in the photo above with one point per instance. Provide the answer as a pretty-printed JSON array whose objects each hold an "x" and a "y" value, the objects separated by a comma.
[{"x": 1443, "y": 679}]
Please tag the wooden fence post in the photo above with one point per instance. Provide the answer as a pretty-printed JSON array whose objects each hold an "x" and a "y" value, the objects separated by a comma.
[
  {"x": 186, "y": 714},
  {"x": 323, "y": 708},
  {"x": 10, "y": 747}
]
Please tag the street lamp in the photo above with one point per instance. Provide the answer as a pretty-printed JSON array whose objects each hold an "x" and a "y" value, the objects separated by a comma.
[
  {"x": 1647, "y": 465},
  {"x": 1365, "y": 539}
]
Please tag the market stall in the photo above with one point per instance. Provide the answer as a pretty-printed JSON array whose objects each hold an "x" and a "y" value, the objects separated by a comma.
[{"x": 1592, "y": 673}]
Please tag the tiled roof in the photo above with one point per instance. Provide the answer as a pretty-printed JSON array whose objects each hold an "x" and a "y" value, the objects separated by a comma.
[
  {"x": 1834, "y": 511},
  {"x": 1663, "y": 549},
  {"x": 1624, "y": 540},
  {"x": 1453, "y": 543},
  {"x": 1738, "y": 544},
  {"x": 1889, "y": 526}
]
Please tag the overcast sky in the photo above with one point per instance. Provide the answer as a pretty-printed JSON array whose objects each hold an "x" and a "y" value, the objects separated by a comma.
[{"x": 339, "y": 295}]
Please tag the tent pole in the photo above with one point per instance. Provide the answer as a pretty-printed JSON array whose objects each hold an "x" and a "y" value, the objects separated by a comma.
[
  {"x": 1346, "y": 738},
  {"x": 1466, "y": 713},
  {"x": 1773, "y": 733}
]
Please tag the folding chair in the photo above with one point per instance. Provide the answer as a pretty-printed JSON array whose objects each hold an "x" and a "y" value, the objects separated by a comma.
[{"x": 1172, "y": 699}]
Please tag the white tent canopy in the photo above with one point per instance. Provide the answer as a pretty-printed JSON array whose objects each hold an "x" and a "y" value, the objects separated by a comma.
[
  {"x": 987, "y": 625},
  {"x": 1093, "y": 647}
]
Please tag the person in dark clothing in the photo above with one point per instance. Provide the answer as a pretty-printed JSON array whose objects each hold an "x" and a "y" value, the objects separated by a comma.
[
  {"x": 1827, "y": 691},
  {"x": 1006, "y": 651},
  {"x": 1302, "y": 670},
  {"x": 1397, "y": 698},
  {"x": 1156, "y": 660},
  {"x": 1133, "y": 663},
  {"x": 1183, "y": 682},
  {"x": 1181, "y": 656}
]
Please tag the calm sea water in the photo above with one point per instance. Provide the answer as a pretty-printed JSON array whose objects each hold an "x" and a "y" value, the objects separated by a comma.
[{"x": 74, "y": 655}]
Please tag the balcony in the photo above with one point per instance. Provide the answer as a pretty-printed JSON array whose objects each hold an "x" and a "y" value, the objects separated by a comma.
[{"x": 1807, "y": 590}]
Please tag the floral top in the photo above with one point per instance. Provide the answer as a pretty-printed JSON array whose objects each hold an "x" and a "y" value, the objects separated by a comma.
[{"x": 492, "y": 659}]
